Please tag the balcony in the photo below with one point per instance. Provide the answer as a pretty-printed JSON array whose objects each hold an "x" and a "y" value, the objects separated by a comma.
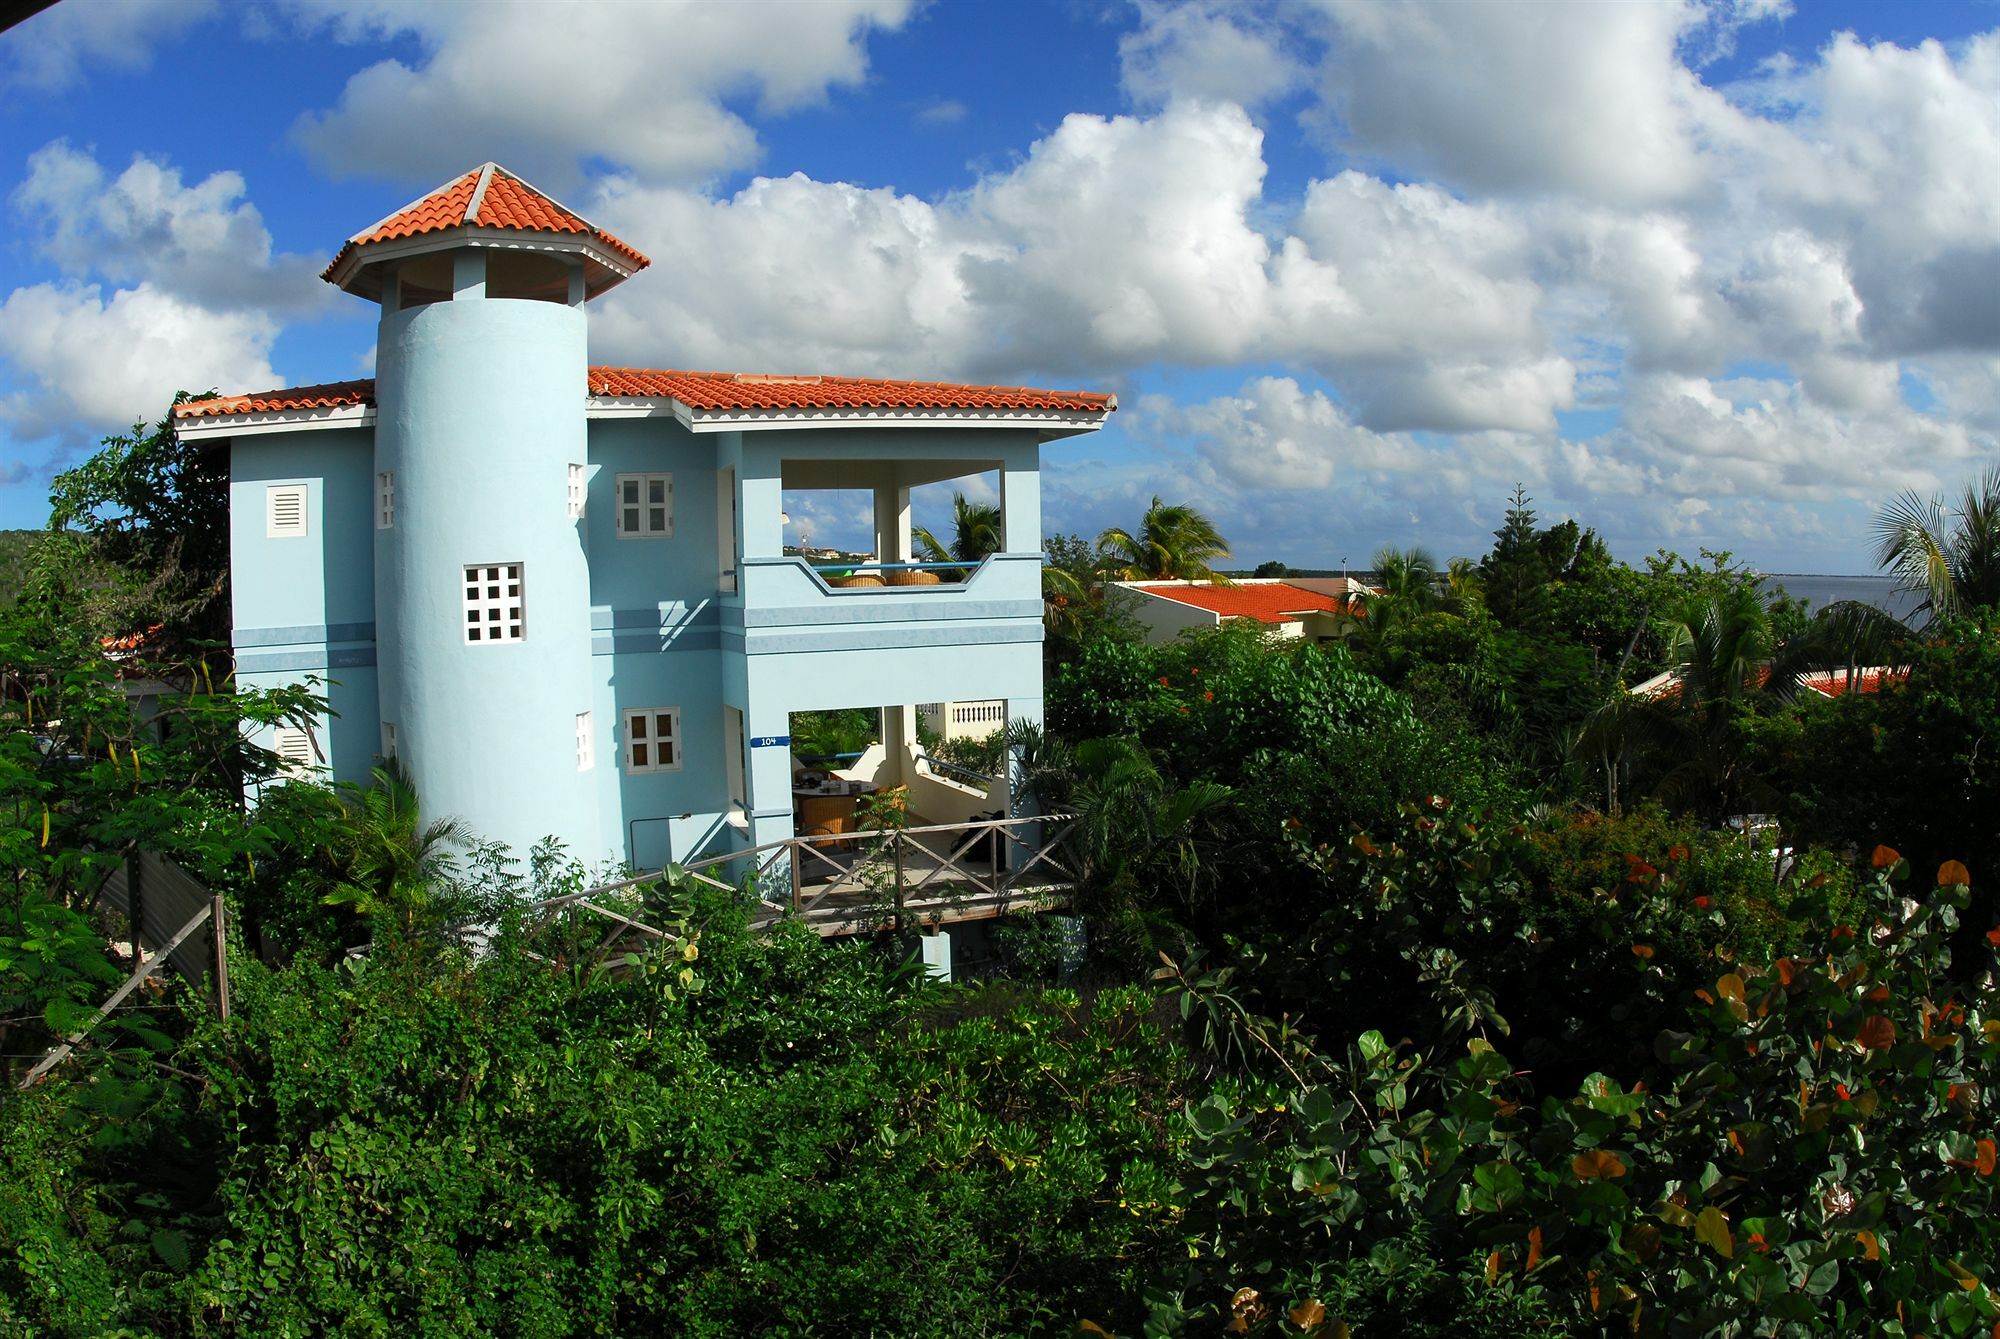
[
  {"x": 788, "y": 604},
  {"x": 915, "y": 878}
]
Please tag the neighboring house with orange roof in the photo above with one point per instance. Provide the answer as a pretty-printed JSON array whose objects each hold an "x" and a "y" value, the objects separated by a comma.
[
  {"x": 1166, "y": 609},
  {"x": 559, "y": 593},
  {"x": 1863, "y": 679}
]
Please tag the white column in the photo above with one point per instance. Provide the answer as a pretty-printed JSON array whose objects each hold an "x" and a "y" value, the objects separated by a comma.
[
  {"x": 1020, "y": 509},
  {"x": 468, "y": 274}
]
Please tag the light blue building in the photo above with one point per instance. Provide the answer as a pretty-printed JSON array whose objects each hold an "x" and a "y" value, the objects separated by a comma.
[{"x": 560, "y": 594}]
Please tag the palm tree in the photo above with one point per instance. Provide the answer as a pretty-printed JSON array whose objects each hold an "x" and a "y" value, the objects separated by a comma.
[
  {"x": 1718, "y": 649},
  {"x": 1949, "y": 556},
  {"x": 976, "y": 533},
  {"x": 1463, "y": 585},
  {"x": 1411, "y": 587},
  {"x": 1723, "y": 654},
  {"x": 1174, "y": 543},
  {"x": 1408, "y": 575},
  {"x": 393, "y": 864},
  {"x": 1136, "y": 829}
]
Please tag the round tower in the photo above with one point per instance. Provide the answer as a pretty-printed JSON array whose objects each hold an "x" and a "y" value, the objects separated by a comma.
[{"x": 482, "y": 585}]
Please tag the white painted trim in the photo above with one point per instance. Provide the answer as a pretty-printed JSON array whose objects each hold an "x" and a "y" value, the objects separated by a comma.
[
  {"x": 284, "y": 420},
  {"x": 504, "y": 239},
  {"x": 1051, "y": 422},
  {"x": 479, "y": 192}
]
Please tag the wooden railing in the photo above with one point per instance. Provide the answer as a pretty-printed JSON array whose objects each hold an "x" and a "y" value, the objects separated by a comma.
[
  {"x": 889, "y": 878},
  {"x": 889, "y": 869}
]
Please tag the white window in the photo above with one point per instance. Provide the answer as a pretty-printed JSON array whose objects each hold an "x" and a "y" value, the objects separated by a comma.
[
  {"x": 725, "y": 527},
  {"x": 645, "y": 506},
  {"x": 732, "y": 756},
  {"x": 576, "y": 493},
  {"x": 653, "y": 739},
  {"x": 494, "y": 607},
  {"x": 586, "y": 752},
  {"x": 285, "y": 511},
  {"x": 388, "y": 739},
  {"x": 296, "y": 752},
  {"x": 385, "y": 500}
]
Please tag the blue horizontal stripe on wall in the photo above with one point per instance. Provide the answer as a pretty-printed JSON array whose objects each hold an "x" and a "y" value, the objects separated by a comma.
[
  {"x": 707, "y": 614},
  {"x": 894, "y": 638},
  {"x": 650, "y": 631},
  {"x": 656, "y": 643},
  {"x": 318, "y": 658},
  {"x": 305, "y": 633}
]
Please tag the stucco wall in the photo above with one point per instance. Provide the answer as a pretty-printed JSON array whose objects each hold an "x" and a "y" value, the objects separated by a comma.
[
  {"x": 479, "y": 417},
  {"x": 1163, "y": 619},
  {"x": 303, "y": 608}
]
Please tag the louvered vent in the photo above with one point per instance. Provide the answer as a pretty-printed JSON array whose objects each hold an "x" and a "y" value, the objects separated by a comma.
[
  {"x": 285, "y": 511},
  {"x": 294, "y": 748}
]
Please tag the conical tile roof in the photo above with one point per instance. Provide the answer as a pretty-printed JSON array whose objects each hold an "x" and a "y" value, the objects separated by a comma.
[{"x": 490, "y": 197}]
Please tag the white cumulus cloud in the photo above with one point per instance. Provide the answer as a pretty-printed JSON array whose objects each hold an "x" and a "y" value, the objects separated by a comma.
[
  {"x": 98, "y": 363},
  {"x": 642, "y": 86},
  {"x": 203, "y": 242},
  {"x": 55, "y": 49}
]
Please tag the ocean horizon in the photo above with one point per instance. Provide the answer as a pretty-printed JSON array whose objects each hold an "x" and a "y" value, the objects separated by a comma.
[{"x": 1819, "y": 590}]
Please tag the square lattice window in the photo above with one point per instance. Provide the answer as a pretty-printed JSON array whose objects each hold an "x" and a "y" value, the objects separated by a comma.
[{"x": 495, "y": 609}]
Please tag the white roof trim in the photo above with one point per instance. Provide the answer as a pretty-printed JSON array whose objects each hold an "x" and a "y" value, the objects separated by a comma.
[
  {"x": 479, "y": 192},
  {"x": 459, "y": 234},
  {"x": 1050, "y": 422},
  {"x": 279, "y": 420}
]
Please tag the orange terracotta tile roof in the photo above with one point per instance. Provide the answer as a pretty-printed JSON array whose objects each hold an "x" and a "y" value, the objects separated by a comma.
[
  {"x": 1867, "y": 679},
  {"x": 708, "y": 391},
  {"x": 1264, "y": 601},
  {"x": 506, "y": 202},
  {"x": 332, "y": 395},
  {"x": 742, "y": 390}
]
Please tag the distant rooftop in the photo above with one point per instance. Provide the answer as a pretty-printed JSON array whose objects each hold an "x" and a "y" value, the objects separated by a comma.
[{"x": 1266, "y": 601}]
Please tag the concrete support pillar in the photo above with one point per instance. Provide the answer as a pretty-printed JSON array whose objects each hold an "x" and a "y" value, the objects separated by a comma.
[
  {"x": 899, "y": 741},
  {"x": 1019, "y": 802},
  {"x": 762, "y": 492},
  {"x": 468, "y": 275},
  {"x": 1020, "y": 510},
  {"x": 936, "y": 951},
  {"x": 892, "y": 521}
]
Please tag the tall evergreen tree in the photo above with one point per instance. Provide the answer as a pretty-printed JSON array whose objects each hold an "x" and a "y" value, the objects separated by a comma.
[{"x": 1517, "y": 570}]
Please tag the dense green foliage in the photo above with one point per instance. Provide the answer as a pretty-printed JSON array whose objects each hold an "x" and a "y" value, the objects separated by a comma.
[
  {"x": 156, "y": 510},
  {"x": 17, "y": 549},
  {"x": 1386, "y": 1028}
]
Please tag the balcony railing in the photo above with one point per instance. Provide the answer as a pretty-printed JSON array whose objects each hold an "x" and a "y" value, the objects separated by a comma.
[
  {"x": 889, "y": 878},
  {"x": 902, "y": 576}
]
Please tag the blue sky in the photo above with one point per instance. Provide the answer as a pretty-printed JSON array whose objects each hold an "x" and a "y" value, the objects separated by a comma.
[{"x": 1702, "y": 275}]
